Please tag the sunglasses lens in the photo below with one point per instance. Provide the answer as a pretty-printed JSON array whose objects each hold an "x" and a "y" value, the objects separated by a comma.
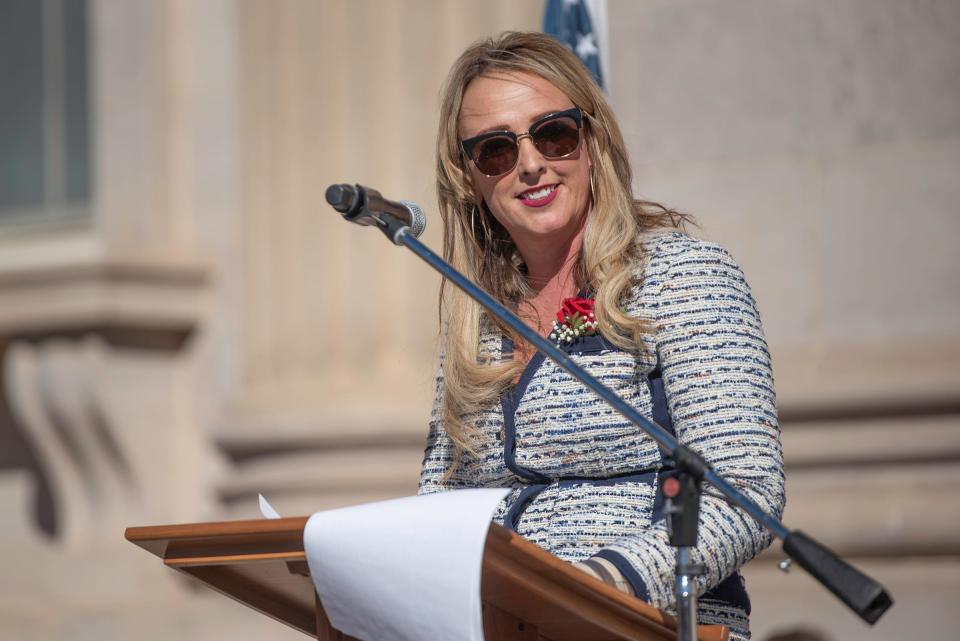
[
  {"x": 557, "y": 137},
  {"x": 495, "y": 156}
]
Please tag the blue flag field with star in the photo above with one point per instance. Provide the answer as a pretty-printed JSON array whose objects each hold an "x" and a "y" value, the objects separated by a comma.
[{"x": 569, "y": 22}]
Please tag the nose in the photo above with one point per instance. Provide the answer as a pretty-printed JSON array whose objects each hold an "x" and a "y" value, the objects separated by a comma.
[{"x": 530, "y": 164}]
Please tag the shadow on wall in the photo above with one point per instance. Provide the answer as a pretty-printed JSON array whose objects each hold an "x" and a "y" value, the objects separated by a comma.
[{"x": 798, "y": 634}]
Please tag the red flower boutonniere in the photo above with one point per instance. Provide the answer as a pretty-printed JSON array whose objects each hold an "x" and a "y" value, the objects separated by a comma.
[{"x": 575, "y": 319}]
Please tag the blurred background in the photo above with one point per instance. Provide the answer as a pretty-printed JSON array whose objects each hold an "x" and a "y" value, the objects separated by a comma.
[{"x": 185, "y": 323}]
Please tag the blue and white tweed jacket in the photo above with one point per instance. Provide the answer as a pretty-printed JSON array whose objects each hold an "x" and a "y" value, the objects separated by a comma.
[{"x": 585, "y": 482}]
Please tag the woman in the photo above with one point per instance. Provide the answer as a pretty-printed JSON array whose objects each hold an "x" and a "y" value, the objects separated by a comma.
[{"x": 535, "y": 193}]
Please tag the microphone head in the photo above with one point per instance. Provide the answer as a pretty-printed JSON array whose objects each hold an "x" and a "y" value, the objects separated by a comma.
[
  {"x": 418, "y": 222},
  {"x": 343, "y": 198}
]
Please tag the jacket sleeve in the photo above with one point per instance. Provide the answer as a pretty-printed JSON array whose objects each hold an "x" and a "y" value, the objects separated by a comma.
[
  {"x": 719, "y": 387},
  {"x": 439, "y": 450}
]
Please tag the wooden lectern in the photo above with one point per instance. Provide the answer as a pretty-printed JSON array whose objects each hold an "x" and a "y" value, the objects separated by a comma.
[{"x": 528, "y": 594}]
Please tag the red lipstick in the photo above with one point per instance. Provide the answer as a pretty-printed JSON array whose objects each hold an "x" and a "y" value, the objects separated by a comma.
[{"x": 539, "y": 196}]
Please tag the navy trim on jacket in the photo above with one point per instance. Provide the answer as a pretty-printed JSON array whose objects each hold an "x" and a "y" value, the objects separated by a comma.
[{"x": 730, "y": 590}]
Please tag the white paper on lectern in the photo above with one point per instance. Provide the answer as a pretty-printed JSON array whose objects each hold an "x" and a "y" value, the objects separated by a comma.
[
  {"x": 266, "y": 509},
  {"x": 403, "y": 570}
]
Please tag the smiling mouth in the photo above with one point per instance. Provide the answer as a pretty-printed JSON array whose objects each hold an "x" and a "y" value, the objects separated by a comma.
[{"x": 540, "y": 196}]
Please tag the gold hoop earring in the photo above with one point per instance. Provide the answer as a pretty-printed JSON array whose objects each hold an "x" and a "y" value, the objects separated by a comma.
[
  {"x": 476, "y": 210},
  {"x": 472, "y": 227}
]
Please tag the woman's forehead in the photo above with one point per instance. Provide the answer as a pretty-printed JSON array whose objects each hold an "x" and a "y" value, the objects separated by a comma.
[{"x": 505, "y": 100}]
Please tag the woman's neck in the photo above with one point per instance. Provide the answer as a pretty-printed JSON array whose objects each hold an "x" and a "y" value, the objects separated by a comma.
[
  {"x": 550, "y": 263},
  {"x": 550, "y": 274}
]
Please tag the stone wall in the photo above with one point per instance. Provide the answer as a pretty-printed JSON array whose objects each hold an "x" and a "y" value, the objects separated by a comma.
[
  {"x": 820, "y": 142},
  {"x": 215, "y": 330}
]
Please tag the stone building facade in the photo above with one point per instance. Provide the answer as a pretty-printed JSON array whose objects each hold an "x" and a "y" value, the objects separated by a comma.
[{"x": 202, "y": 327}]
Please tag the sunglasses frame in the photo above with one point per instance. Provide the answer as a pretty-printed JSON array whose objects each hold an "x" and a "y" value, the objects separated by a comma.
[{"x": 576, "y": 113}]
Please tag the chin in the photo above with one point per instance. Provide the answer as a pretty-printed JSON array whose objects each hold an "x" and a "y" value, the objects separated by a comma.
[{"x": 561, "y": 228}]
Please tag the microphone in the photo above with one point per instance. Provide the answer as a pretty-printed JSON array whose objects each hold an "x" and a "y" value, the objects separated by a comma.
[{"x": 365, "y": 206}]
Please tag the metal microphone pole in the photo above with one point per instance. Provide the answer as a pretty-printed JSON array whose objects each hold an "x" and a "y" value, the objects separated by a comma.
[{"x": 866, "y": 597}]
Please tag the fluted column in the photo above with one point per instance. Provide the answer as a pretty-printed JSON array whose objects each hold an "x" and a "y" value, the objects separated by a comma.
[{"x": 340, "y": 327}]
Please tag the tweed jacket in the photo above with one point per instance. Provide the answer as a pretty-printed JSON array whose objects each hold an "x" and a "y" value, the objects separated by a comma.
[{"x": 585, "y": 482}]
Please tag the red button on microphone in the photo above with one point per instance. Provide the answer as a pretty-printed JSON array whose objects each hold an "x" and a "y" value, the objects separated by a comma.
[{"x": 671, "y": 487}]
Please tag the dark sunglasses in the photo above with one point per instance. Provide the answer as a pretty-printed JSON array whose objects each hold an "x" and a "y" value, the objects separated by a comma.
[{"x": 555, "y": 136}]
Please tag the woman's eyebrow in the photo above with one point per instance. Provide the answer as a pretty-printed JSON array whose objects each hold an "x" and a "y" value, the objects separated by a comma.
[
  {"x": 500, "y": 127},
  {"x": 505, "y": 127}
]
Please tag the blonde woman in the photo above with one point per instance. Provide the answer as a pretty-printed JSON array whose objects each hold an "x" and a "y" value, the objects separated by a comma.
[{"x": 535, "y": 193}]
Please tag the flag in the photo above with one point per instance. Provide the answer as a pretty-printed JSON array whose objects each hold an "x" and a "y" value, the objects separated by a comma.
[{"x": 569, "y": 22}]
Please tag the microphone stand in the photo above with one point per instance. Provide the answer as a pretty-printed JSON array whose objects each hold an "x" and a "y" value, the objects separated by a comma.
[
  {"x": 866, "y": 597},
  {"x": 682, "y": 511}
]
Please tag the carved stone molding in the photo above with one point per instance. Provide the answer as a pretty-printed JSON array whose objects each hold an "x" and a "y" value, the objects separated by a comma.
[{"x": 75, "y": 346}]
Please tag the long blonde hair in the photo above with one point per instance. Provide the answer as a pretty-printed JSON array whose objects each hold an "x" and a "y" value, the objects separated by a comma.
[{"x": 480, "y": 248}]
